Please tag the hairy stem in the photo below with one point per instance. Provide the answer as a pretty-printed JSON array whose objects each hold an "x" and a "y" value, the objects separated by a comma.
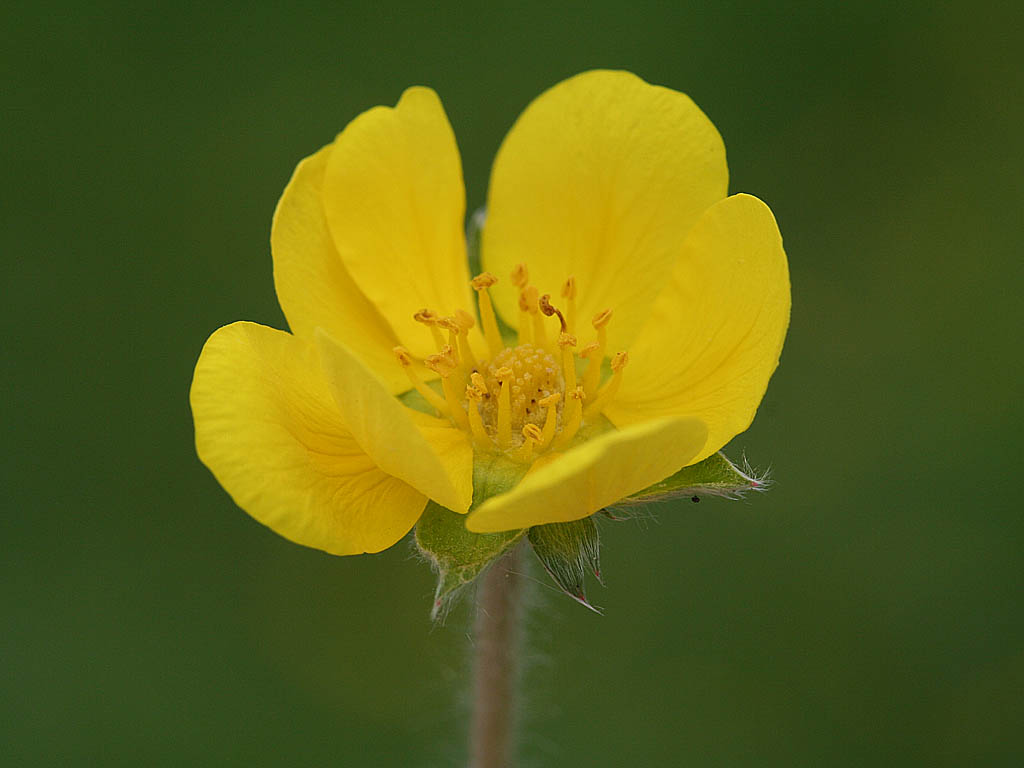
[{"x": 495, "y": 673}]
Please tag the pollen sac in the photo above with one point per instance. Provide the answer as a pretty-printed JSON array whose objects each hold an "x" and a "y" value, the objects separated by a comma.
[{"x": 536, "y": 375}]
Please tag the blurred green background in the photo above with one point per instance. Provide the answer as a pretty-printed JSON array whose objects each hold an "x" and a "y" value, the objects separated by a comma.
[{"x": 866, "y": 611}]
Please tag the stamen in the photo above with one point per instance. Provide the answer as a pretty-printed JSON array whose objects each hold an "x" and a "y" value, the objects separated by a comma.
[
  {"x": 444, "y": 365},
  {"x": 428, "y": 394},
  {"x": 592, "y": 376},
  {"x": 549, "y": 309},
  {"x": 525, "y": 323},
  {"x": 531, "y": 436},
  {"x": 600, "y": 323},
  {"x": 429, "y": 318},
  {"x": 464, "y": 319},
  {"x": 449, "y": 324},
  {"x": 454, "y": 334},
  {"x": 503, "y": 375},
  {"x": 476, "y": 425},
  {"x": 488, "y": 321},
  {"x": 466, "y": 322},
  {"x": 520, "y": 276},
  {"x": 572, "y": 415},
  {"x": 550, "y": 420},
  {"x": 567, "y": 341},
  {"x": 478, "y": 382},
  {"x": 609, "y": 390},
  {"x": 540, "y": 337},
  {"x": 569, "y": 294}
]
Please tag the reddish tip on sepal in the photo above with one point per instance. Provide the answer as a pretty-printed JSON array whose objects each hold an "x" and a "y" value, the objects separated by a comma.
[{"x": 581, "y": 598}]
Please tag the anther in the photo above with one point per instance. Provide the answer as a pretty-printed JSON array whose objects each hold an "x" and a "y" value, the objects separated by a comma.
[
  {"x": 405, "y": 359},
  {"x": 520, "y": 276},
  {"x": 448, "y": 324},
  {"x": 476, "y": 425},
  {"x": 488, "y": 321},
  {"x": 479, "y": 383},
  {"x": 429, "y": 318},
  {"x": 425, "y": 316},
  {"x": 600, "y": 323},
  {"x": 567, "y": 341},
  {"x": 403, "y": 356},
  {"x": 549, "y": 309},
  {"x": 531, "y": 436},
  {"x": 444, "y": 365},
  {"x": 465, "y": 322},
  {"x": 528, "y": 299},
  {"x": 483, "y": 280},
  {"x": 453, "y": 328},
  {"x": 458, "y": 347},
  {"x": 601, "y": 318},
  {"x": 464, "y": 319}
]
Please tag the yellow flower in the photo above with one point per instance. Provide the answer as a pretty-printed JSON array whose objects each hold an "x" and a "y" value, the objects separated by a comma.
[{"x": 626, "y": 325}]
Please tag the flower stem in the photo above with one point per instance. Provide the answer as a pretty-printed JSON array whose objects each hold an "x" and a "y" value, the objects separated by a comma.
[{"x": 496, "y": 640}]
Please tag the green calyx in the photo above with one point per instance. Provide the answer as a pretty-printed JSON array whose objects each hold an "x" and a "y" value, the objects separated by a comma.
[
  {"x": 568, "y": 551},
  {"x": 457, "y": 554}
]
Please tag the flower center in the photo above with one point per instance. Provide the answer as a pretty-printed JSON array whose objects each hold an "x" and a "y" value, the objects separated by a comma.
[
  {"x": 533, "y": 376},
  {"x": 524, "y": 399}
]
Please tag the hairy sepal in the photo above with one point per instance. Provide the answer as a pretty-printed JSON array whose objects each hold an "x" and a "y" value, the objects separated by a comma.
[
  {"x": 715, "y": 476},
  {"x": 567, "y": 551},
  {"x": 458, "y": 555}
]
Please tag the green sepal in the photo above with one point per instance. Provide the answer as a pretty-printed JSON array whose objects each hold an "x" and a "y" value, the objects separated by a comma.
[
  {"x": 715, "y": 476},
  {"x": 567, "y": 551},
  {"x": 458, "y": 555}
]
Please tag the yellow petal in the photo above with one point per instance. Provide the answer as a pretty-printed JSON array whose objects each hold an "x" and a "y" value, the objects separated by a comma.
[
  {"x": 714, "y": 336},
  {"x": 601, "y": 178},
  {"x": 593, "y": 475},
  {"x": 395, "y": 203},
  {"x": 268, "y": 429},
  {"x": 430, "y": 454},
  {"x": 313, "y": 285}
]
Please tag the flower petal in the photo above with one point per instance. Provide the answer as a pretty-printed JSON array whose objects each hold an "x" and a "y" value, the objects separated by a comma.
[
  {"x": 714, "y": 336},
  {"x": 430, "y": 454},
  {"x": 268, "y": 429},
  {"x": 593, "y": 475},
  {"x": 313, "y": 285},
  {"x": 395, "y": 202},
  {"x": 601, "y": 178}
]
